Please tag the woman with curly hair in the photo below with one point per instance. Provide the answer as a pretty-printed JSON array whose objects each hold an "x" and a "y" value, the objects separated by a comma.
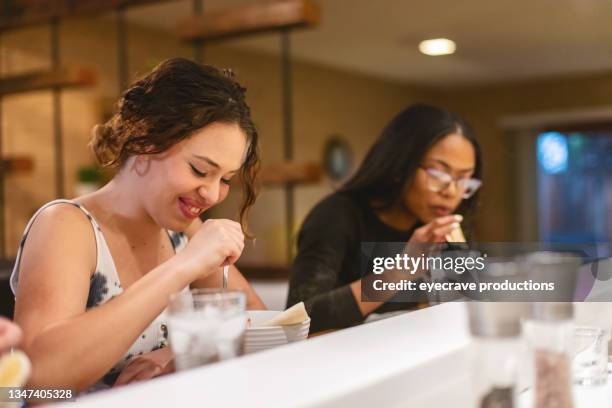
[{"x": 93, "y": 275}]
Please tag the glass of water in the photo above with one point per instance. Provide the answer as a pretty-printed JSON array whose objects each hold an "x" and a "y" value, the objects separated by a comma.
[
  {"x": 206, "y": 325},
  {"x": 590, "y": 355}
]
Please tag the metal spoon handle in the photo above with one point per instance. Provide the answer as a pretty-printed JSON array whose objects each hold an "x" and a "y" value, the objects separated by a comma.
[{"x": 225, "y": 273}]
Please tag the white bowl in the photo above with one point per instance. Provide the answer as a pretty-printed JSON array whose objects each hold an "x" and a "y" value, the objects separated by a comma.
[{"x": 258, "y": 337}]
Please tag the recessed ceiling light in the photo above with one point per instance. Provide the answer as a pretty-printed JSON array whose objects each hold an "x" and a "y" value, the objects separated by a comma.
[{"x": 437, "y": 46}]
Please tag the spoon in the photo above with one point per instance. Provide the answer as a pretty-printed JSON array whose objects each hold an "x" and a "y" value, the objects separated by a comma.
[{"x": 225, "y": 273}]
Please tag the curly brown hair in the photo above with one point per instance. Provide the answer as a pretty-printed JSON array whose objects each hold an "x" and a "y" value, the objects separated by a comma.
[{"x": 168, "y": 105}]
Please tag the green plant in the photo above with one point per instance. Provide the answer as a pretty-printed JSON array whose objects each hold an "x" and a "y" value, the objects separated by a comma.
[{"x": 89, "y": 174}]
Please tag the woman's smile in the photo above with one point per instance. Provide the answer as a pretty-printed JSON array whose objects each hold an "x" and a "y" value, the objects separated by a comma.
[{"x": 191, "y": 209}]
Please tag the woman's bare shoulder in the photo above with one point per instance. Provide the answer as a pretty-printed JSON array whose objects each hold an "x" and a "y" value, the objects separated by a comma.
[
  {"x": 65, "y": 215},
  {"x": 62, "y": 225}
]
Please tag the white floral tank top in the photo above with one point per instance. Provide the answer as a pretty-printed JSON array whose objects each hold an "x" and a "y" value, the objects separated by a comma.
[{"x": 104, "y": 285}]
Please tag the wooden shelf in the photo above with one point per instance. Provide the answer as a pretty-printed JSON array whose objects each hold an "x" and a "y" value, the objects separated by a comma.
[
  {"x": 16, "y": 164},
  {"x": 295, "y": 173},
  {"x": 21, "y": 13},
  {"x": 249, "y": 19},
  {"x": 66, "y": 77}
]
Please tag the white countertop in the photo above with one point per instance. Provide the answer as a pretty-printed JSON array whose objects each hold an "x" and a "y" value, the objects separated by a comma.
[
  {"x": 315, "y": 372},
  {"x": 418, "y": 359}
]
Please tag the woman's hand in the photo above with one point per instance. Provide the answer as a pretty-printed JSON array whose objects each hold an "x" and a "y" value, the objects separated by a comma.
[
  {"x": 435, "y": 231},
  {"x": 148, "y": 365},
  {"x": 10, "y": 334},
  {"x": 215, "y": 244}
]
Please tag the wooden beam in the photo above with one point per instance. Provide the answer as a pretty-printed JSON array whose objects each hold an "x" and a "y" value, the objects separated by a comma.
[
  {"x": 16, "y": 164},
  {"x": 296, "y": 173},
  {"x": 254, "y": 18},
  {"x": 69, "y": 76},
  {"x": 21, "y": 13}
]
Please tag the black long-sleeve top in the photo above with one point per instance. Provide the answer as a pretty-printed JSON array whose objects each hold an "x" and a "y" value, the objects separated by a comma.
[{"x": 328, "y": 260}]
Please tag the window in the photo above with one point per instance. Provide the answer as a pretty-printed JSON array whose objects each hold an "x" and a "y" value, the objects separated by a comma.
[{"x": 574, "y": 186}]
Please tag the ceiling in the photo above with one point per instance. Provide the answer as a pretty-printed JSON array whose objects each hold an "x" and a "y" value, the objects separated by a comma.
[{"x": 499, "y": 40}]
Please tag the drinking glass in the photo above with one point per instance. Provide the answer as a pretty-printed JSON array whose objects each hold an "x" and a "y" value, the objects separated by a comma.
[
  {"x": 590, "y": 355},
  {"x": 206, "y": 325}
]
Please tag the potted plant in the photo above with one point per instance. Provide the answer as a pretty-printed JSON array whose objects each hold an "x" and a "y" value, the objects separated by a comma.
[{"x": 89, "y": 179}]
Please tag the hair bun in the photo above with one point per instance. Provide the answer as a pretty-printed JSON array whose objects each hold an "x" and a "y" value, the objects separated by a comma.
[
  {"x": 132, "y": 100},
  {"x": 103, "y": 144},
  {"x": 135, "y": 93}
]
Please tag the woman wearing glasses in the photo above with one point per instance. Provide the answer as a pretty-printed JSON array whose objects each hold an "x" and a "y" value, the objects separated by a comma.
[{"x": 416, "y": 184}]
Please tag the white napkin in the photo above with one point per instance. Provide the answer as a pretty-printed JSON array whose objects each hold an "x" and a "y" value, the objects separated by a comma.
[
  {"x": 296, "y": 314},
  {"x": 455, "y": 235}
]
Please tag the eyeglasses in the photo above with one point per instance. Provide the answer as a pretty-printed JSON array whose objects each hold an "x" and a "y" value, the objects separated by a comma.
[{"x": 438, "y": 180}]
